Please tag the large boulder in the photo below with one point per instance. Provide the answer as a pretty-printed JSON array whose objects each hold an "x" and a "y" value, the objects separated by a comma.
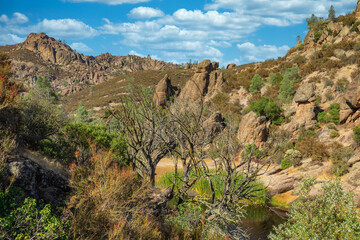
[
  {"x": 352, "y": 93},
  {"x": 37, "y": 182},
  {"x": 253, "y": 129},
  {"x": 164, "y": 91},
  {"x": 304, "y": 93},
  {"x": 230, "y": 66},
  {"x": 304, "y": 117}
]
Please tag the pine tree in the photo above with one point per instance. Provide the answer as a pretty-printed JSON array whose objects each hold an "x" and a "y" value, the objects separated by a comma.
[
  {"x": 256, "y": 84},
  {"x": 331, "y": 15},
  {"x": 286, "y": 91}
]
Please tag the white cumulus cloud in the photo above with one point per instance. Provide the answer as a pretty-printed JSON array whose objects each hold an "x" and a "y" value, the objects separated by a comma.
[
  {"x": 18, "y": 18},
  {"x": 10, "y": 39},
  {"x": 252, "y": 53},
  {"x": 145, "y": 13},
  {"x": 81, "y": 47},
  {"x": 111, "y": 2}
]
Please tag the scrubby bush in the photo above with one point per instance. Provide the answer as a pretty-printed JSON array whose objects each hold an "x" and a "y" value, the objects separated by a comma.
[
  {"x": 82, "y": 115},
  {"x": 356, "y": 134},
  {"x": 294, "y": 156},
  {"x": 286, "y": 91},
  {"x": 26, "y": 219},
  {"x": 330, "y": 215},
  {"x": 335, "y": 113},
  {"x": 285, "y": 163},
  {"x": 293, "y": 74},
  {"x": 339, "y": 157},
  {"x": 334, "y": 134},
  {"x": 256, "y": 84},
  {"x": 341, "y": 85},
  {"x": 310, "y": 146},
  {"x": 267, "y": 107},
  {"x": 275, "y": 78}
]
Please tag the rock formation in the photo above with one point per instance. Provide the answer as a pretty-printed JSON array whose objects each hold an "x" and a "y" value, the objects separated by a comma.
[
  {"x": 164, "y": 91},
  {"x": 207, "y": 80},
  {"x": 214, "y": 125},
  {"x": 357, "y": 11},
  {"x": 253, "y": 129}
]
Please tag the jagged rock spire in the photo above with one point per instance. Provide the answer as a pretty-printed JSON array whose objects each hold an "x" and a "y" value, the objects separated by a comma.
[{"x": 357, "y": 11}]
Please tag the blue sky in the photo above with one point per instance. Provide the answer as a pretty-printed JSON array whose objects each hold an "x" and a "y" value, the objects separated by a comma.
[{"x": 238, "y": 31}]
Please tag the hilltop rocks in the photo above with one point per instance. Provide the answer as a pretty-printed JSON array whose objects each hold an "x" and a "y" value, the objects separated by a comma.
[
  {"x": 304, "y": 93},
  {"x": 357, "y": 11},
  {"x": 253, "y": 129},
  {"x": 164, "y": 91},
  {"x": 352, "y": 94},
  {"x": 230, "y": 66},
  {"x": 207, "y": 79}
]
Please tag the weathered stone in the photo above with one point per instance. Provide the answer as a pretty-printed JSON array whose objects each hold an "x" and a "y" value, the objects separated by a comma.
[
  {"x": 230, "y": 66},
  {"x": 340, "y": 53},
  {"x": 304, "y": 93},
  {"x": 303, "y": 118},
  {"x": 352, "y": 93},
  {"x": 164, "y": 91},
  {"x": 253, "y": 129}
]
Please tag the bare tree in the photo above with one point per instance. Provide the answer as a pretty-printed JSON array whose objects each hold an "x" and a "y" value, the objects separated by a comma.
[{"x": 146, "y": 128}]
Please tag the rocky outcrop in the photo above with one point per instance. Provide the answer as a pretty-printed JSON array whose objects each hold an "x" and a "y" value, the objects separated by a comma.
[
  {"x": 214, "y": 125},
  {"x": 164, "y": 91},
  {"x": 352, "y": 94},
  {"x": 253, "y": 129},
  {"x": 357, "y": 11},
  {"x": 67, "y": 70},
  {"x": 230, "y": 66},
  {"x": 206, "y": 80},
  {"x": 304, "y": 117},
  {"x": 304, "y": 93},
  {"x": 37, "y": 182}
]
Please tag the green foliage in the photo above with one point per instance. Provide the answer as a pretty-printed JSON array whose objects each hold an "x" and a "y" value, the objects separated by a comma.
[
  {"x": 252, "y": 149},
  {"x": 80, "y": 136},
  {"x": 28, "y": 220},
  {"x": 331, "y": 15},
  {"x": 285, "y": 163},
  {"x": 286, "y": 91},
  {"x": 256, "y": 84},
  {"x": 331, "y": 215},
  {"x": 313, "y": 20},
  {"x": 317, "y": 36},
  {"x": 293, "y": 74},
  {"x": 44, "y": 89},
  {"x": 354, "y": 28},
  {"x": 267, "y": 107},
  {"x": 275, "y": 78},
  {"x": 323, "y": 117},
  {"x": 334, "y": 134},
  {"x": 332, "y": 116},
  {"x": 341, "y": 84},
  {"x": 339, "y": 157},
  {"x": 82, "y": 115},
  {"x": 356, "y": 134}
]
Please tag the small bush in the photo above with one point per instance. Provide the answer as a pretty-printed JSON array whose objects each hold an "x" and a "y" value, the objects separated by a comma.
[
  {"x": 286, "y": 91},
  {"x": 285, "y": 163},
  {"x": 317, "y": 36},
  {"x": 323, "y": 117},
  {"x": 356, "y": 134},
  {"x": 341, "y": 85},
  {"x": 312, "y": 147},
  {"x": 339, "y": 157},
  {"x": 275, "y": 78},
  {"x": 334, "y": 134},
  {"x": 251, "y": 148},
  {"x": 294, "y": 156},
  {"x": 256, "y": 84},
  {"x": 267, "y": 107}
]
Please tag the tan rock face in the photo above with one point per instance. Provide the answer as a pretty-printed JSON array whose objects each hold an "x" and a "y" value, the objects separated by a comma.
[
  {"x": 303, "y": 118},
  {"x": 352, "y": 94},
  {"x": 164, "y": 91},
  {"x": 304, "y": 93},
  {"x": 230, "y": 66},
  {"x": 357, "y": 11},
  {"x": 253, "y": 129},
  {"x": 205, "y": 82}
]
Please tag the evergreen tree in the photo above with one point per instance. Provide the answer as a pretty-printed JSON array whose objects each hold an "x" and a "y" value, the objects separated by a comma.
[
  {"x": 256, "y": 84},
  {"x": 331, "y": 15},
  {"x": 286, "y": 91},
  {"x": 82, "y": 114}
]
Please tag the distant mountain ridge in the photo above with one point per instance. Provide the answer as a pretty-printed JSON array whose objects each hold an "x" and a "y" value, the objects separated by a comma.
[{"x": 69, "y": 71}]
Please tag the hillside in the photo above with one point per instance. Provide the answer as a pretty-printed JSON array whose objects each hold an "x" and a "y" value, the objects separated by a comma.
[
  {"x": 67, "y": 70},
  {"x": 318, "y": 112}
]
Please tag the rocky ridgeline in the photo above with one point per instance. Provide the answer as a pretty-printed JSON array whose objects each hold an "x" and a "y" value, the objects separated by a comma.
[{"x": 69, "y": 71}]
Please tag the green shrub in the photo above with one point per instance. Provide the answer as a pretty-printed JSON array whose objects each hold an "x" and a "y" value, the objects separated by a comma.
[
  {"x": 293, "y": 74},
  {"x": 285, "y": 163},
  {"x": 267, "y": 107},
  {"x": 275, "y": 78},
  {"x": 354, "y": 28},
  {"x": 323, "y": 117},
  {"x": 317, "y": 36},
  {"x": 251, "y": 148},
  {"x": 334, "y": 134},
  {"x": 335, "y": 113},
  {"x": 341, "y": 85},
  {"x": 339, "y": 157},
  {"x": 256, "y": 84},
  {"x": 286, "y": 91},
  {"x": 330, "y": 215},
  {"x": 356, "y": 134},
  {"x": 28, "y": 220},
  {"x": 294, "y": 156}
]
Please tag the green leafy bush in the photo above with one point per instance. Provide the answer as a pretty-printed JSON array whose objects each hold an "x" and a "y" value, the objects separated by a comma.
[
  {"x": 275, "y": 78},
  {"x": 256, "y": 84},
  {"x": 285, "y": 163},
  {"x": 267, "y": 107},
  {"x": 317, "y": 36},
  {"x": 339, "y": 157},
  {"x": 251, "y": 148},
  {"x": 293, "y": 74},
  {"x": 331, "y": 215},
  {"x": 335, "y": 113},
  {"x": 28, "y": 220},
  {"x": 286, "y": 91},
  {"x": 334, "y": 134},
  {"x": 356, "y": 134}
]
